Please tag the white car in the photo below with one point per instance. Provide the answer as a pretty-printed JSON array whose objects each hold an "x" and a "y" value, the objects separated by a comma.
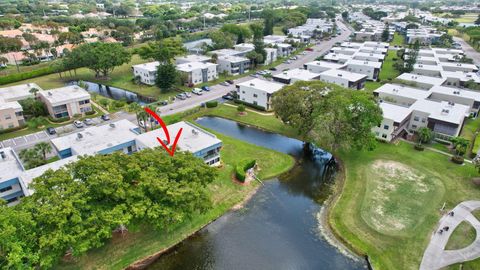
[
  {"x": 197, "y": 91},
  {"x": 78, "y": 124}
]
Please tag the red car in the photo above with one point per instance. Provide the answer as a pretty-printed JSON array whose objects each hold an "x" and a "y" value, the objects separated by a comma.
[{"x": 309, "y": 49}]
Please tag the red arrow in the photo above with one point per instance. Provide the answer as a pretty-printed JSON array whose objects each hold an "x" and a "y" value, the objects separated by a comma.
[{"x": 167, "y": 134}]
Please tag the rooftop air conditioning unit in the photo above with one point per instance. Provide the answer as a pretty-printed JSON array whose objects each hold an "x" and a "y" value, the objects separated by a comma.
[
  {"x": 2, "y": 154},
  {"x": 339, "y": 75},
  {"x": 49, "y": 93},
  {"x": 112, "y": 125},
  {"x": 252, "y": 84},
  {"x": 194, "y": 132},
  {"x": 79, "y": 136}
]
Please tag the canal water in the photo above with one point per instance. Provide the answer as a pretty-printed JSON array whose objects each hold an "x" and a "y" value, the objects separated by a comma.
[
  {"x": 278, "y": 228},
  {"x": 115, "y": 93}
]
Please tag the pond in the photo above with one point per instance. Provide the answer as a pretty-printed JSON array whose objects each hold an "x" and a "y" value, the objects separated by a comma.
[
  {"x": 278, "y": 228},
  {"x": 115, "y": 93}
]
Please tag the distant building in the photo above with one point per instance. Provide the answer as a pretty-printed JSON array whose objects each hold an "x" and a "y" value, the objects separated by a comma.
[{"x": 147, "y": 72}]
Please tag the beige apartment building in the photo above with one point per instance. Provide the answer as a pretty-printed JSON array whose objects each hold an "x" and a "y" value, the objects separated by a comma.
[
  {"x": 66, "y": 101},
  {"x": 11, "y": 115}
]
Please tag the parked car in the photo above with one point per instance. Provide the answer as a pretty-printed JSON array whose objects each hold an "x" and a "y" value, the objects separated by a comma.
[
  {"x": 230, "y": 81},
  {"x": 293, "y": 58},
  {"x": 163, "y": 103},
  {"x": 187, "y": 94},
  {"x": 197, "y": 91},
  {"x": 105, "y": 117},
  {"x": 273, "y": 69},
  {"x": 287, "y": 62},
  {"x": 51, "y": 131},
  {"x": 309, "y": 49},
  {"x": 205, "y": 88},
  {"x": 78, "y": 124},
  {"x": 254, "y": 75},
  {"x": 227, "y": 97},
  {"x": 304, "y": 53},
  {"x": 88, "y": 122},
  {"x": 225, "y": 84},
  {"x": 182, "y": 96}
]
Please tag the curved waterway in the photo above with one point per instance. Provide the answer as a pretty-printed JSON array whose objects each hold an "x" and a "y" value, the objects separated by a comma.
[{"x": 278, "y": 228}]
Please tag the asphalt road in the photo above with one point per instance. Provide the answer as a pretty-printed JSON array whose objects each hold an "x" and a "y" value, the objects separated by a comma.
[
  {"x": 219, "y": 90},
  {"x": 469, "y": 51}
]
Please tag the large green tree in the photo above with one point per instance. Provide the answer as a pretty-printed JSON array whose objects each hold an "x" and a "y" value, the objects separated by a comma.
[
  {"x": 163, "y": 50},
  {"x": 330, "y": 116},
  {"x": 167, "y": 75}
]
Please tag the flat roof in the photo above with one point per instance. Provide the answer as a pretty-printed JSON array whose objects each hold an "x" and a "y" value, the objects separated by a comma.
[
  {"x": 297, "y": 73},
  {"x": 475, "y": 95},
  {"x": 97, "y": 138},
  {"x": 364, "y": 63},
  {"x": 334, "y": 56},
  {"x": 193, "y": 58},
  {"x": 62, "y": 94},
  {"x": 188, "y": 67},
  {"x": 351, "y": 44},
  {"x": 326, "y": 64},
  {"x": 192, "y": 139},
  {"x": 9, "y": 165},
  {"x": 375, "y": 55},
  {"x": 462, "y": 76},
  {"x": 10, "y": 105},
  {"x": 18, "y": 92},
  {"x": 394, "y": 112},
  {"x": 226, "y": 52},
  {"x": 404, "y": 91},
  {"x": 263, "y": 85},
  {"x": 338, "y": 73},
  {"x": 428, "y": 67},
  {"x": 443, "y": 111},
  {"x": 464, "y": 65},
  {"x": 151, "y": 66},
  {"x": 233, "y": 58},
  {"x": 421, "y": 79}
]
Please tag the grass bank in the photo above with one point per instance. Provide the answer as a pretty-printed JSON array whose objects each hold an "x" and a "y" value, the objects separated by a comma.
[
  {"x": 391, "y": 199},
  {"x": 142, "y": 240}
]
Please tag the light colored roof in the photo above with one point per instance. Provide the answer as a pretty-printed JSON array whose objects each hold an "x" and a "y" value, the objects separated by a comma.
[
  {"x": 472, "y": 67},
  {"x": 337, "y": 57},
  {"x": 226, "y": 52},
  {"x": 456, "y": 92},
  {"x": 10, "y": 166},
  {"x": 297, "y": 73},
  {"x": 266, "y": 86},
  {"x": 64, "y": 94},
  {"x": 374, "y": 55},
  {"x": 10, "y": 105},
  {"x": 283, "y": 45},
  {"x": 192, "y": 139},
  {"x": 395, "y": 112},
  {"x": 97, "y": 138},
  {"x": 192, "y": 58},
  {"x": 326, "y": 64},
  {"x": 18, "y": 92},
  {"x": 347, "y": 75},
  {"x": 443, "y": 111},
  {"x": 151, "y": 66},
  {"x": 404, "y": 91},
  {"x": 462, "y": 76},
  {"x": 427, "y": 67},
  {"x": 421, "y": 79},
  {"x": 233, "y": 58},
  {"x": 189, "y": 67},
  {"x": 364, "y": 63}
]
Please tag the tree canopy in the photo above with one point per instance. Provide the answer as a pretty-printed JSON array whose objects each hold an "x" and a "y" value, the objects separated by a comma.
[
  {"x": 77, "y": 207},
  {"x": 328, "y": 115}
]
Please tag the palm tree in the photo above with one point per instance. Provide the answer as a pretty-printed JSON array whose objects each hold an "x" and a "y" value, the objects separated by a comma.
[
  {"x": 143, "y": 115},
  {"x": 44, "y": 148},
  {"x": 136, "y": 108},
  {"x": 34, "y": 91},
  {"x": 425, "y": 135}
]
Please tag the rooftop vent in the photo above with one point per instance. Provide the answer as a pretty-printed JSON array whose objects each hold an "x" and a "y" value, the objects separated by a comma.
[
  {"x": 456, "y": 92},
  {"x": 339, "y": 75},
  {"x": 49, "y": 93},
  {"x": 194, "y": 132},
  {"x": 79, "y": 136},
  {"x": 252, "y": 84},
  {"x": 451, "y": 103},
  {"x": 2, "y": 155},
  {"x": 112, "y": 125},
  {"x": 445, "y": 111}
]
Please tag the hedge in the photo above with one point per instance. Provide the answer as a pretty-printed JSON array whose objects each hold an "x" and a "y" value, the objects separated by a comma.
[
  {"x": 241, "y": 170},
  {"x": 211, "y": 104},
  {"x": 27, "y": 75},
  {"x": 250, "y": 105},
  {"x": 58, "y": 120},
  {"x": 7, "y": 130},
  {"x": 90, "y": 112}
]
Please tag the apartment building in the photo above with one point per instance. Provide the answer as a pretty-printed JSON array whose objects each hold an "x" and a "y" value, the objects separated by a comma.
[
  {"x": 192, "y": 58},
  {"x": 344, "y": 78},
  {"x": 120, "y": 136},
  {"x": 233, "y": 65},
  {"x": 66, "y": 101},
  {"x": 294, "y": 75},
  {"x": 11, "y": 112},
  {"x": 199, "y": 72},
  {"x": 147, "y": 72},
  {"x": 258, "y": 92}
]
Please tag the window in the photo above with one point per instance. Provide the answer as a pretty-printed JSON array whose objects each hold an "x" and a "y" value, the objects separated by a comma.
[
  {"x": 255, "y": 95},
  {"x": 384, "y": 135},
  {"x": 7, "y": 117},
  {"x": 5, "y": 189},
  {"x": 416, "y": 118},
  {"x": 414, "y": 126},
  {"x": 424, "y": 120},
  {"x": 12, "y": 200},
  {"x": 84, "y": 102},
  {"x": 10, "y": 126},
  {"x": 385, "y": 127}
]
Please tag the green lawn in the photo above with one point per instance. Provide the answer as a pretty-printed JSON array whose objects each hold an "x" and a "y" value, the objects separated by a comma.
[
  {"x": 470, "y": 127},
  {"x": 371, "y": 85},
  {"x": 142, "y": 241},
  {"x": 398, "y": 39},
  {"x": 388, "y": 71},
  {"x": 462, "y": 237},
  {"x": 391, "y": 200},
  {"x": 12, "y": 69}
]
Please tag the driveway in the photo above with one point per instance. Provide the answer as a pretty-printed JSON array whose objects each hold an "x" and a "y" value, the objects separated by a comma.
[
  {"x": 435, "y": 256},
  {"x": 219, "y": 90}
]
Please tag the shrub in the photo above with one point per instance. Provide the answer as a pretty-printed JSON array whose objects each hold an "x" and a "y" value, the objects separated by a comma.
[
  {"x": 90, "y": 112},
  {"x": 240, "y": 174},
  {"x": 419, "y": 147},
  {"x": 242, "y": 168},
  {"x": 7, "y": 130},
  {"x": 241, "y": 108},
  {"x": 211, "y": 104},
  {"x": 58, "y": 120},
  {"x": 457, "y": 159},
  {"x": 27, "y": 75},
  {"x": 257, "y": 107}
]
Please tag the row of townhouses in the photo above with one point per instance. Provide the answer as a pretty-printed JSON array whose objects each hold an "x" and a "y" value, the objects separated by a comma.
[{"x": 121, "y": 136}]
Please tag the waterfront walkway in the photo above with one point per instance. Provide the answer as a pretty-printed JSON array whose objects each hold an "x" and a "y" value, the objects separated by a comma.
[{"x": 435, "y": 256}]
